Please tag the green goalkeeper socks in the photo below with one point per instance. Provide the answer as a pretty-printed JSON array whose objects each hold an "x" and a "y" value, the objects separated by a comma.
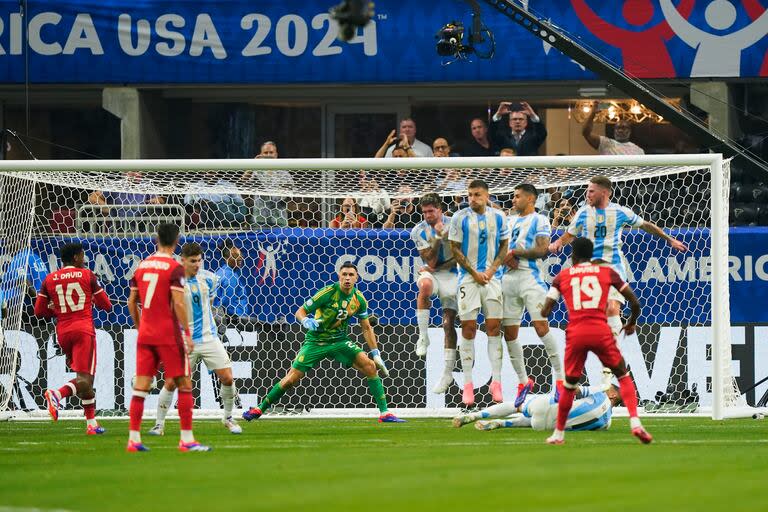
[
  {"x": 377, "y": 390},
  {"x": 272, "y": 397}
]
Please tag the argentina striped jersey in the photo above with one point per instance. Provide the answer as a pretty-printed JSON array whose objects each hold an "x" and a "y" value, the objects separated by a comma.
[
  {"x": 199, "y": 291},
  {"x": 603, "y": 226},
  {"x": 423, "y": 235},
  {"x": 524, "y": 230},
  {"x": 480, "y": 236},
  {"x": 593, "y": 412}
]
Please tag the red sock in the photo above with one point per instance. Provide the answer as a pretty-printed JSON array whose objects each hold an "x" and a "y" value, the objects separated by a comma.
[
  {"x": 628, "y": 394},
  {"x": 564, "y": 407},
  {"x": 89, "y": 408},
  {"x": 137, "y": 409},
  {"x": 184, "y": 406},
  {"x": 68, "y": 389}
]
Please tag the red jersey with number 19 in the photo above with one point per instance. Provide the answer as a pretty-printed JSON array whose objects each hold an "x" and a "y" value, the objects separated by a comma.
[
  {"x": 69, "y": 294},
  {"x": 154, "y": 280},
  {"x": 585, "y": 288}
]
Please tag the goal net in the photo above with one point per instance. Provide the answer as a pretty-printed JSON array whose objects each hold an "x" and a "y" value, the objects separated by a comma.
[{"x": 275, "y": 231}]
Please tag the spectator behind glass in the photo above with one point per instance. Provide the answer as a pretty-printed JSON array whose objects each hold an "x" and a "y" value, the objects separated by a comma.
[
  {"x": 403, "y": 214},
  {"x": 408, "y": 139},
  {"x": 374, "y": 202},
  {"x": 619, "y": 145},
  {"x": 481, "y": 144},
  {"x": 525, "y": 133},
  {"x": 349, "y": 217},
  {"x": 220, "y": 209},
  {"x": 270, "y": 211},
  {"x": 562, "y": 214},
  {"x": 441, "y": 148},
  {"x": 122, "y": 201},
  {"x": 400, "y": 148},
  {"x": 231, "y": 293}
]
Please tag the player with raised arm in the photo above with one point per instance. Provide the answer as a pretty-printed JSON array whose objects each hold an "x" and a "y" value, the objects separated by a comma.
[
  {"x": 479, "y": 238},
  {"x": 602, "y": 221},
  {"x": 585, "y": 287},
  {"x": 326, "y": 318},
  {"x": 523, "y": 285},
  {"x": 159, "y": 312},
  {"x": 437, "y": 278},
  {"x": 592, "y": 410},
  {"x": 69, "y": 294},
  {"x": 199, "y": 290}
]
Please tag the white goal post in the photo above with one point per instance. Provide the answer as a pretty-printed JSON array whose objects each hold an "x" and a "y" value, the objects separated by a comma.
[{"x": 280, "y": 214}]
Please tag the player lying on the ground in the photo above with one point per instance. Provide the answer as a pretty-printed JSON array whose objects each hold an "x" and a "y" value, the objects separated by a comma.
[
  {"x": 591, "y": 410},
  {"x": 326, "y": 318},
  {"x": 159, "y": 312},
  {"x": 199, "y": 291},
  {"x": 585, "y": 288},
  {"x": 69, "y": 294}
]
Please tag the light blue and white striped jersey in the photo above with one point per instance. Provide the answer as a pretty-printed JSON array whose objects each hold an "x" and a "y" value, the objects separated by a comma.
[
  {"x": 480, "y": 237},
  {"x": 592, "y": 412},
  {"x": 603, "y": 227},
  {"x": 423, "y": 235},
  {"x": 524, "y": 230},
  {"x": 199, "y": 292}
]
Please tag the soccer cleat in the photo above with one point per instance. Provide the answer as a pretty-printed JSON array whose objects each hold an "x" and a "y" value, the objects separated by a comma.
[
  {"x": 642, "y": 435},
  {"x": 253, "y": 413},
  {"x": 136, "y": 447},
  {"x": 194, "y": 446},
  {"x": 52, "y": 399},
  {"x": 496, "y": 393},
  {"x": 522, "y": 392},
  {"x": 489, "y": 425},
  {"x": 557, "y": 437},
  {"x": 445, "y": 382},
  {"x": 421, "y": 346},
  {"x": 157, "y": 430},
  {"x": 461, "y": 420},
  {"x": 388, "y": 417},
  {"x": 468, "y": 395},
  {"x": 232, "y": 425},
  {"x": 93, "y": 430}
]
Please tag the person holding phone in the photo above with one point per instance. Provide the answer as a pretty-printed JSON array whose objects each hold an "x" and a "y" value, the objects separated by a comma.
[
  {"x": 349, "y": 217},
  {"x": 525, "y": 132}
]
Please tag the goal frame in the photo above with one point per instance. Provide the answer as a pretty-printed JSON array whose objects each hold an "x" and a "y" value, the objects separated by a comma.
[{"x": 719, "y": 204}]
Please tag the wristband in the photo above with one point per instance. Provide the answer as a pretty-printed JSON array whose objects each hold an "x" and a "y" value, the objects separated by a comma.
[{"x": 375, "y": 352}]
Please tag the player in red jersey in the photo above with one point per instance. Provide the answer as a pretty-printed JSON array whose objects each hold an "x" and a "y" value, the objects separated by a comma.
[
  {"x": 159, "y": 311},
  {"x": 69, "y": 295},
  {"x": 585, "y": 287}
]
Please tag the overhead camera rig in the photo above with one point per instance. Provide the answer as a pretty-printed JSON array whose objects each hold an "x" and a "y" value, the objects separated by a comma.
[{"x": 450, "y": 39}]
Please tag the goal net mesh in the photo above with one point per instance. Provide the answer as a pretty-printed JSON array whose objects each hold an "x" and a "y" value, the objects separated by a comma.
[{"x": 292, "y": 230}]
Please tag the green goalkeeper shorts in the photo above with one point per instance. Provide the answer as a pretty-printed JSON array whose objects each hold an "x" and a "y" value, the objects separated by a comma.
[{"x": 312, "y": 353}]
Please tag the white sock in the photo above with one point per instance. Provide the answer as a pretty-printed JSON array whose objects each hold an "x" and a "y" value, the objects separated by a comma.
[
  {"x": 422, "y": 317},
  {"x": 91, "y": 422},
  {"x": 467, "y": 351},
  {"x": 501, "y": 410},
  {"x": 134, "y": 435},
  {"x": 614, "y": 322},
  {"x": 227, "y": 399},
  {"x": 450, "y": 360},
  {"x": 164, "y": 401},
  {"x": 517, "y": 359},
  {"x": 495, "y": 353},
  {"x": 187, "y": 437},
  {"x": 635, "y": 422},
  {"x": 550, "y": 345}
]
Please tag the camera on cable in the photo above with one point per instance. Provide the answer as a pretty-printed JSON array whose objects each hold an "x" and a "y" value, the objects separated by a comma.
[
  {"x": 450, "y": 39},
  {"x": 351, "y": 15}
]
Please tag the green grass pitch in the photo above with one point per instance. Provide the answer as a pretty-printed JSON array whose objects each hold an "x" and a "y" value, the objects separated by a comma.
[{"x": 357, "y": 464}]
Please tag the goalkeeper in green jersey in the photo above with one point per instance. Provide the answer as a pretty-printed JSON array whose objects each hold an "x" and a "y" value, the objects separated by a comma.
[{"x": 326, "y": 318}]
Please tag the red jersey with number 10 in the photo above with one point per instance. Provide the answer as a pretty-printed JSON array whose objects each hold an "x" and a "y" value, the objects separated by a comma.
[
  {"x": 69, "y": 294},
  {"x": 154, "y": 280},
  {"x": 585, "y": 289}
]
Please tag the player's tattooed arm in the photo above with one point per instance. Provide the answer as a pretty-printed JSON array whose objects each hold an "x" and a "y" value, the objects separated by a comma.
[
  {"x": 463, "y": 262},
  {"x": 653, "y": 229},
  {"x": 499, "y": 259},
  {"x": 561, "y": 242},
  {"x": 539, "y": 251}
]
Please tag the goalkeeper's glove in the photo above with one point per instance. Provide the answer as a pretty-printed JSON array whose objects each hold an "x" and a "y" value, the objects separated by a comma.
[
  {"x": 310, "y": 323},
  {"x": 376, "y": 356}
]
